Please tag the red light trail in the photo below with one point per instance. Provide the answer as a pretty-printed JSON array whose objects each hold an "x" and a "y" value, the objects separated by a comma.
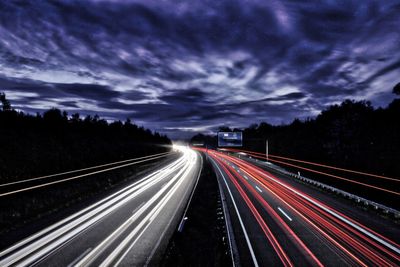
[
  {"x": 318, "y": 164},
  {"x": 324, "y": 173},
  {"x": 356, "y": 242}
]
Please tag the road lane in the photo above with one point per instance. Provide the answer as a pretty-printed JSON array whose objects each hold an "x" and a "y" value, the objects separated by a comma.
[
  {"x": 123, "y": 228},
  {"x": 316, "y": 233},
  {"x": 386, "y": 227},
  {"x": 83, "y": 173},
  {"x": 239, "y": 217}
]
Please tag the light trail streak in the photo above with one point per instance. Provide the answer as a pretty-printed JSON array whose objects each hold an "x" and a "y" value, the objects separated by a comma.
[
  {"x": 387, "y": 242},
  {"x": 333, "y": 225},
  {"x": 146, "y": 222},
  {"x": 254, "y": 259},
  {"x": 318, "y": 164},
  {"x": 307, "y": 220},
  {"x": 279, "y": 221},
  {"x": 84, "y": 169},
  {"x": 332, "y": 176},
  {"x": 39, "y": 246},
  {"x": 78, "y": 176},
  {"x": 318, "y": 204},
  {"x": 267, "y": 231},
  {"x": 339, "y": 177},
  {"x": 95, "y": 208},
  {"x": 151, "y": 212}
]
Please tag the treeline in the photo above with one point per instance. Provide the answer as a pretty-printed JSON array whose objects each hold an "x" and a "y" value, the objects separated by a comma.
[
  {"x": 352, "y": 135},
  {"x": 32, "y": 145}
]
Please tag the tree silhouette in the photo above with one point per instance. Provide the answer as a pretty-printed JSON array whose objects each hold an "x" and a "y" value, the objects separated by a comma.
[
  {"x": 396, "y": 89},
  {"x": 352, "y": 135},
  {"x": 224, "y": 129},
  {"x": 53, "y": 142},
  {"x": 5, "y": 103}
]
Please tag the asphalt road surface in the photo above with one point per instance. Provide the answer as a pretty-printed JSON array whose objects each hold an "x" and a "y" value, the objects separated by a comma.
[
  {"x": 276, "y": 221},
  {"x": 129, "y": 227}
]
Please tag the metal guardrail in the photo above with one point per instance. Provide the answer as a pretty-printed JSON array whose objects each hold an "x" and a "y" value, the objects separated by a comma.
[{"x": 360, "y": 200}]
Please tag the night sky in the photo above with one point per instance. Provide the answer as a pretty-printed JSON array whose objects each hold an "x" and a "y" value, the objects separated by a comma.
[{"x": 182, "y": 67}]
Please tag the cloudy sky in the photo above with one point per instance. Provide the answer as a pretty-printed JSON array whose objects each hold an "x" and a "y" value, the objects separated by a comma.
[{"x": 180, "y": 67}]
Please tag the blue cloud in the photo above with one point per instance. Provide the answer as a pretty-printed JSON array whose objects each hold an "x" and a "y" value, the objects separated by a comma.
[{"x": 192, "y": 65}]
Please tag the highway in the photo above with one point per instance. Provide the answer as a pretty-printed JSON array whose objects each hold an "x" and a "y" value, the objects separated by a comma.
[
  {"x": 129, "y": 227},
  {"x": 276, "y": 221}
]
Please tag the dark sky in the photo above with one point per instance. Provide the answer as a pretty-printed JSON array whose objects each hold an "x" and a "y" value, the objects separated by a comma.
[{"x": 180, "y": 67}]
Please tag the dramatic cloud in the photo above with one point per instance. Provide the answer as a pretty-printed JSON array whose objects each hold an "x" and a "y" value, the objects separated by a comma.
[{"x": 180, "y": 67}]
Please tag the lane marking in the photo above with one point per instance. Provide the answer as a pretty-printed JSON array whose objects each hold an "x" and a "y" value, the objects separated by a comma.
[
  {"x": 150, "y": 257},
  {"x": 191, "y": 194},
  {"x": 80, "y": 257},
  {"x": 287, "y": 227},
  {"x": 284, "y": 213},
  {"x": 228, "y": 225},
  {"x": 88, "y": 217},
  {"x": 80, "y": 225},
  {"x": 239, "y": 217},
  {"x": 138, "y": 207},
  {"x": 111, "y": 237},
  {"x": 245, "y": 177},
  {"x": 258, "y": 189},
  {"x": 146, "y": 221},
  {"x": 79, "y": 170},
  {"x": 359, "y": 228},
  {"x": 77, "y": 177}
]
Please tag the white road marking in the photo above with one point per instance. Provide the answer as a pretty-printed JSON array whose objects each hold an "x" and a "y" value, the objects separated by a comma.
[
  {"x": 170, "y": 221},
  {"x": 284, "y": 213},
  {"x": 80, "y": 257},
  {"x": 359, "y": 228},
  {"x": 138, "y": 207},
  {"x": 79, "y": 170},
  {"x": 106, "y": 242},
  {"x": 258, "y": 189},
  {"x": 145, "y": 222},
  {"x": 76, "y": 177},
  {"x": 240, "y": 219},
  {"x": 52, "y": 237}
]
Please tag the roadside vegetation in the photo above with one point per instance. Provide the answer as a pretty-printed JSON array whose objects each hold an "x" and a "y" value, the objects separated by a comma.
[
  {"x": 352, "y": 135},
  {"x": 54, "y": 142}
]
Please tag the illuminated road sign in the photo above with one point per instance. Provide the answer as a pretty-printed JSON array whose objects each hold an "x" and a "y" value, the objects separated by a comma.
[{"x": 229, "y": 139}]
